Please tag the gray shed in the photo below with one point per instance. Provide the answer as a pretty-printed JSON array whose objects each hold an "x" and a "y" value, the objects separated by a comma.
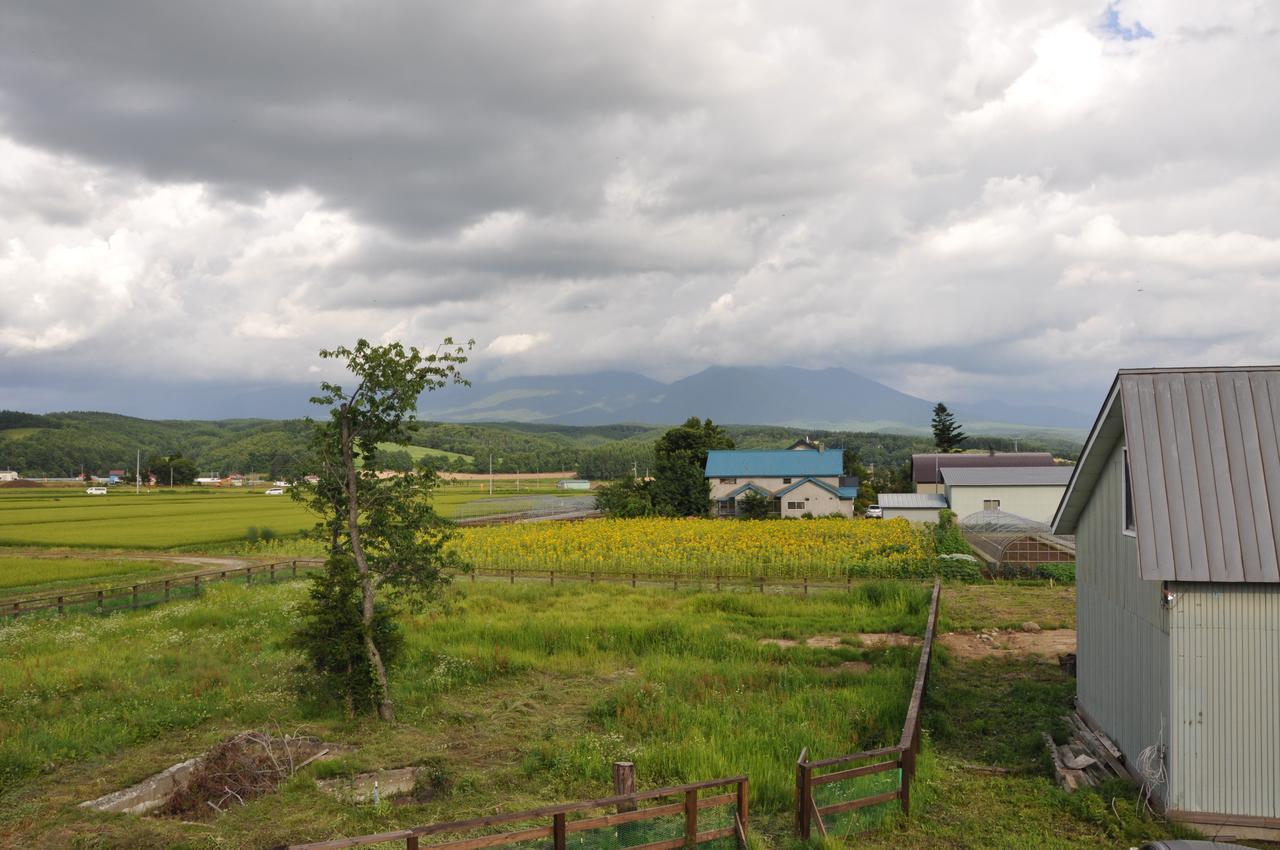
[
  {"x": 914, "y": 507},
  {"x": 1175, "y": 507}
]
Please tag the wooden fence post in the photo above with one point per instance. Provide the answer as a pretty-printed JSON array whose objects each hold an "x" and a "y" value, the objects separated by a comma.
[
  {"x": 557, "y": 831},
  {"x": 60, "y": 611},
  {"x": 691, "y": 818},
  {"x": 17, "y": 609},
  {"x": 802, "y": 804},
  {"x": 624, "y": 782},
  {"x": 411, "y": 843},
  {"x": 99, "y": 602},
  {"x": 553, "y": 577},
  {"x": 272, "y": 574},
  {"x": 907, "y": 760},
  {"x": 513, "y": 576},
  {"x": 166, "y": 590},
  {"x": 196, "y": 584},
  {"x": 133, "y": 599},
  {"x": 744, "y": 807},
  {"x": 295, "y": 575},
  {"x": 761, "y": 584},
  {"x": 248, "y": 575},
  {"x": 633, "y": 579}
]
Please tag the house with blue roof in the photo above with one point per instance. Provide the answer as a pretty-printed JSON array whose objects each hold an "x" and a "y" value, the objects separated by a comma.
[{"x": 797, "y": 481}]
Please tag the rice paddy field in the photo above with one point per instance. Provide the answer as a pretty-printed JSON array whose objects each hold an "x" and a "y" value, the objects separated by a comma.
[{"x": 184, "y": 518}]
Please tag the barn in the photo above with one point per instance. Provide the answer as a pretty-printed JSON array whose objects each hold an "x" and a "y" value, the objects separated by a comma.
[{"x": 1175, "y": 508}]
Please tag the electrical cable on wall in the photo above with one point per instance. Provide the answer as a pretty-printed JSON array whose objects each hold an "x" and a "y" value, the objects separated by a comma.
[{"x": 1150, "y": 766}]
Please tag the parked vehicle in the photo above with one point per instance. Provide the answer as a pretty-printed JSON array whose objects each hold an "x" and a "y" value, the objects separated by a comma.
[
  {"x": 874, "y": 512},
  {"x": 276, "y": 491},
  {"x": 96, "y": 491}
]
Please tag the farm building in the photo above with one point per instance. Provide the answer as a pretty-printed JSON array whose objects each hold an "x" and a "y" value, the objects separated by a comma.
[
  {"x": 796, "y": 482},
  {"x": 573, "y": 484},
  {"x": 916, "y": 507},
  {"x": 1029, "y": 491},
  {"x": 8, "y": 475},
  {"x": 926, "y": 469},
  {"x": 1175, "y": 508}
]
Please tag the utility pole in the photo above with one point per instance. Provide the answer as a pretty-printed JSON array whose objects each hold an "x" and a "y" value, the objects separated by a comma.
[
  {"x": 490, "y": 473},
  {"x": 137, "y": 473}
]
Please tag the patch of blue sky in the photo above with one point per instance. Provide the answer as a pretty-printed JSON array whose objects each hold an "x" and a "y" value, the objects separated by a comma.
[{"x": 1112, "y": 26}]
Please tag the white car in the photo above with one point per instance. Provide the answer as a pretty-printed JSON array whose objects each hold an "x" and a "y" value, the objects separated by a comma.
[
  {"x": 275, "y": 491},
  {"x": 874, "y": 512},
  {"x": 96, "y": 491}
]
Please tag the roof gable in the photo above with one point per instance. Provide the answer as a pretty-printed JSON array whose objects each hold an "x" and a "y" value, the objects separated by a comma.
[
  {"x": 927, "y": 468},
  {"x": 774, "y": 464},
  {"x": 1204, "y": 460}
]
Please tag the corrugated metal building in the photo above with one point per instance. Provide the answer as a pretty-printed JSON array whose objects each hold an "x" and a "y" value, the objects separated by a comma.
[
  {"x": 914, "y": 507},
  {"x": 1030, "y": 491},
  {"x": 1175, "y": 506}
]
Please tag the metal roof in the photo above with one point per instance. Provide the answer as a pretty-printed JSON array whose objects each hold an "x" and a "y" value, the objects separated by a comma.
[
  {"x": 925, "y": 468},
  {"x": 1018, "y": 476},
  {"x": 931, "y": 501},
  {"x": 839, "y": 492},
  {"x": 774, "y": 463},
  {"x": 1204, "y": 461},
  {"x": 744, "y": 488}
]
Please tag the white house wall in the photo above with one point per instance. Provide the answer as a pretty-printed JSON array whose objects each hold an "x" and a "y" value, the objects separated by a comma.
[
  {"x": 1032, "y": 502},
  {"x": 816, "y": 501},
  {"x": 1122, "y": 630},
  {"x": 1225, "y": 711}
]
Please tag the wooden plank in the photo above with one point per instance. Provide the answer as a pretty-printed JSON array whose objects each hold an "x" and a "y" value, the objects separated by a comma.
[
  {"x": 865, "y": 770},
  {"x": 866, "y": 754},
  {"x": 850, "y": 805},
  {"x": 625, "y": 817},
  {"x": 817, "y": 816},
  {"x": 495, "y": 840}
]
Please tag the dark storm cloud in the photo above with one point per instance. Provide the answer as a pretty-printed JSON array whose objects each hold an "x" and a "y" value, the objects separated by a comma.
[{"x": 962, "y": 200}]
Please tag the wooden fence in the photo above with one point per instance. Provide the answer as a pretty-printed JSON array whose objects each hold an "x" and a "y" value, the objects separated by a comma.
[
  {"x": 673, "y": 580},
  {"x": 627, "y": 827},
  {"x": 898, "y": 760},
  {"x": 127, "y": 597}
]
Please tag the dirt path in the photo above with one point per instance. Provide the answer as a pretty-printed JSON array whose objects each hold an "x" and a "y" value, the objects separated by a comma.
[{"x": 1049, "y": 643}]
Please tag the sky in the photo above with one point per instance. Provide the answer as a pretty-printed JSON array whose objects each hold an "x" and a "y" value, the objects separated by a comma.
[{"x": 963, "y": 200}]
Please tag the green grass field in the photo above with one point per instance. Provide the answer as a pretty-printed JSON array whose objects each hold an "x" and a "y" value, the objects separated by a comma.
[
  {"x": 517, "y": 696},
  {"x": 520, "y": 695},
  {"x": 419, "y": 452}
]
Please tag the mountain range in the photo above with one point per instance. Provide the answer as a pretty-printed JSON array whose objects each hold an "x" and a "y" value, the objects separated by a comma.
[{"x": 831, "y": 398}]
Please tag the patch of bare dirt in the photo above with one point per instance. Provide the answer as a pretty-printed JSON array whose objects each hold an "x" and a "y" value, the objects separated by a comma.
[
  {"x": 1049, "y": 643},
  {"x": 849, "y": 667},
  {"x": 824, "y": 641},
  {"x": 879, "y": 639}
]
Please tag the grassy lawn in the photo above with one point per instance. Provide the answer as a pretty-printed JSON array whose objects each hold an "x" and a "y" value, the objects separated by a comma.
[
  {"x": 419, "y": 452},
  {"x": 517, "y": 695}
]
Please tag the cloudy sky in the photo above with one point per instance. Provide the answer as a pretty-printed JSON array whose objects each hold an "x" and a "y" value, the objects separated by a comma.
[{"x": 963, "y": 200}]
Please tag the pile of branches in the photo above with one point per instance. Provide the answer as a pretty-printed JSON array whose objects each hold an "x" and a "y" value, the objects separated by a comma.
[{"x": 241, "y": 769}]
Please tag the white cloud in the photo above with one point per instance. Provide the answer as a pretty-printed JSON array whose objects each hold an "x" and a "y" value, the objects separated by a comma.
[{"x": 509, "y": 344}]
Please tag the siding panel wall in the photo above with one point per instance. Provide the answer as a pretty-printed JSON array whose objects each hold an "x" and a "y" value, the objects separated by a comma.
[
  {"x": 1123, "y": 637},
  {"x": 1225, "y": 732}
]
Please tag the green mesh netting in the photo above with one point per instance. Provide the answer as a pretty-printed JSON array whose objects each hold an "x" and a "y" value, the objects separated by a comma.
[{"x": 859, "y": 787}]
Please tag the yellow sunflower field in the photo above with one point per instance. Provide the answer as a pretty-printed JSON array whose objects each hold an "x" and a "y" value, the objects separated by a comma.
[{"x": 704, "y": 547}]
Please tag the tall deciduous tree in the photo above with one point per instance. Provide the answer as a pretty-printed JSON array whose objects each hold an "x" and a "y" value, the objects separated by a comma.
[
  {"x": 382, "y": 531},
  {"x": 947, "y": 435},
  {"x": 680, "y": 457}
]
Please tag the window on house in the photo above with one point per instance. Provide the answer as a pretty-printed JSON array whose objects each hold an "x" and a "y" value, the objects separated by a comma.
[
  {"x": 728, "y": 481},
  {"x": 795, "y": 506},
  {"x": 1129, "y": 524},
  {"x": 991, "y": 504},
  {"x": 786, "y": 481}
]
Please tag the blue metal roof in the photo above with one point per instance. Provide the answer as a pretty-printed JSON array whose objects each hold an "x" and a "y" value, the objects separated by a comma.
[{"x": 774, "y": 464}]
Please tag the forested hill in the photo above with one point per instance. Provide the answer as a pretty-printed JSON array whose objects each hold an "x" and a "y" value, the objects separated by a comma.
[{"x": 64, "y": 444}]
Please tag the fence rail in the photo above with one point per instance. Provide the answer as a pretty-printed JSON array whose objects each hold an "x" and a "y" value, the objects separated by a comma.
[
  {"x": 127, "y": 597},
  {"x": 625, "y": 825},
  {"x": 901, "y": 757}
]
